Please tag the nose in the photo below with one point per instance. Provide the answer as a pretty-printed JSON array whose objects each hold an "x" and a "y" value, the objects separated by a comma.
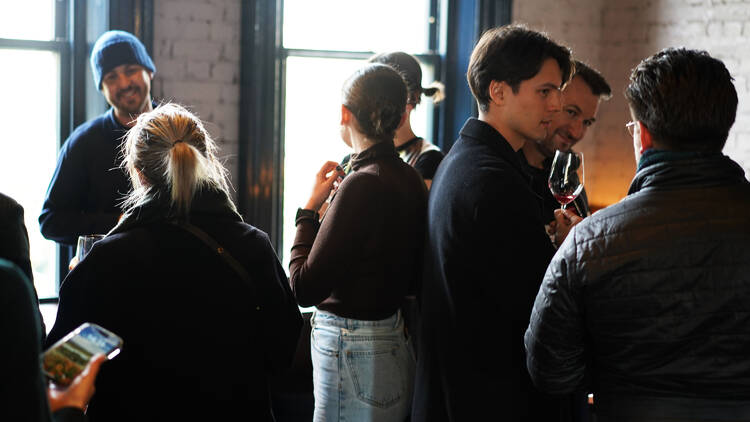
[
  {"x": 554, "y": 102},
  {"x": 122, "y": 80},
  {"x": 577, "y": 129}
]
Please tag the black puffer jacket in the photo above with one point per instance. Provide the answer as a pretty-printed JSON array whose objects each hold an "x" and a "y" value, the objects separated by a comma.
[{"x": 651, "y": 296}]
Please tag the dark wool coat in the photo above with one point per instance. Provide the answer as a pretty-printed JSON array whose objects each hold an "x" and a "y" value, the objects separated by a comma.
[
  {"x": 485, "y": 257},
  {"x": 650, "y": 297},
  {"x": 195, "y": 346},
  {"x": 23, "y": 391}
]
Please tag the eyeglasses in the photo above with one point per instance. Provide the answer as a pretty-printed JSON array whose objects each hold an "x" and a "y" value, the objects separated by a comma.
[{"x": 630, "y": 126}]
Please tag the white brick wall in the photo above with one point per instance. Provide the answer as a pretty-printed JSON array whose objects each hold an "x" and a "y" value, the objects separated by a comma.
[
  {"x": 197, "y": 49},
  {"x": 614, "y": 36},
  {"x": 197, "y": 57}
]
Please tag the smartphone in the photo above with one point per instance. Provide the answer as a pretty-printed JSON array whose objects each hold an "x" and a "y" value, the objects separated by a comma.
[{"x": 68, "y": 357}]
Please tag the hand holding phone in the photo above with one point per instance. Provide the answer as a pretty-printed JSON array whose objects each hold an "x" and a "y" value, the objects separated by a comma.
[
  {"x": 67, "y": 358},
  {"x": 79, "y": 392}
]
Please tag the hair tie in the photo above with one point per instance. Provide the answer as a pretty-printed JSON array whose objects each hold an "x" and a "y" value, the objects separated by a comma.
[{"x": 176, "y": 142}]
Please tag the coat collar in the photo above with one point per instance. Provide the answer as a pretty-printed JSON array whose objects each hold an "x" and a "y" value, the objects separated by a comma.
[
  {"x": 669, "y": 170},
  {"x": 378, "y": 151},
  {"x": 210, "y": 203},
  {"x": 484, "y": 133}
]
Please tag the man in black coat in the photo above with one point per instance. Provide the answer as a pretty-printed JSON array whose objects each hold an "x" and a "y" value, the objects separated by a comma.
[
  {"x": 487, "y": 249},
  {"x": 648, "y": 301}
]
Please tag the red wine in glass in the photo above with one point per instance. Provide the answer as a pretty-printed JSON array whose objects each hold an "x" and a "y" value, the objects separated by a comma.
[{"x": 566, "y": 177}]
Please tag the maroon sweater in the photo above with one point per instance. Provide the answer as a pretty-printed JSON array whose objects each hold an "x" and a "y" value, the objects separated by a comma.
[{"x": 366, "y": 255}]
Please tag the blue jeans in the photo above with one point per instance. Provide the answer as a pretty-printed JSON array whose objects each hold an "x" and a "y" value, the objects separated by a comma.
[{"x": 362, "y": 370}]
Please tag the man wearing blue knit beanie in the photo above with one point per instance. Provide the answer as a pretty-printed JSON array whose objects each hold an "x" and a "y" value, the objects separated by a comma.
[{"x": 88, "y": 183}]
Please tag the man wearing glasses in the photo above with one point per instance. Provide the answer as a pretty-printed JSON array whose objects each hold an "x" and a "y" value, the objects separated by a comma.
[
  {"x": 648, "y": 301},
  {"x": 580, "y": 105}
]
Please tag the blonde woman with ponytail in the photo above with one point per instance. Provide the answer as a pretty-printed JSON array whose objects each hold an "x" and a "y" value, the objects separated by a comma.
[{"x": 198, "y": 296}]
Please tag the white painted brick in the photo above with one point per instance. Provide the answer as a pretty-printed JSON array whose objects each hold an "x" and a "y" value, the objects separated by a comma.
[
  {"x": 201, "y": 11},
  {"x": 230, "y": 94},
  {"x": 198, "y": 70},
  {"x": 225, "y": 72},
  {"x": 231, "y": 52},
  {"x": 162, "y": 47},
  {"x": 170, "y": 68},
  {"x": 732, "y": 29},
  {"x": 174, "y": 9},
  {"x": 200, "y": 94},
  {"x": 714, "y": 29},
  {"x": 222, "y": 31},
  {"x": 232, "y": 12},
  {"x": 197, "y": 50}
]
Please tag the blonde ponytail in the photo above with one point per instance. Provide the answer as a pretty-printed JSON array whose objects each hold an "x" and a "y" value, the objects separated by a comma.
[
  {"x": 169, "y": 152},
  {"x": 182, "y": 175}
]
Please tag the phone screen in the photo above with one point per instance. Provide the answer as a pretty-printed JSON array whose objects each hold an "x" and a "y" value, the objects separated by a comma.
[{"x": 68, "y": 357}]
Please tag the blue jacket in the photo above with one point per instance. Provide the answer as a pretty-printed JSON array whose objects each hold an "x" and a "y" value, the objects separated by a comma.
[{"x": 88, "y": 183}]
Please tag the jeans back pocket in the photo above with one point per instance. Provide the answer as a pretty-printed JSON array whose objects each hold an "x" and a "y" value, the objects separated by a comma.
[{"x": 378, "y": 374}]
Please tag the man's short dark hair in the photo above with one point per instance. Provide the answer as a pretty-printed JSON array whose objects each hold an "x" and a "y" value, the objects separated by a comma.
[
  {"x": 685, "y": 98},
  {"x": 512, "y": 53},
  {"x": 594, "y": 79}
]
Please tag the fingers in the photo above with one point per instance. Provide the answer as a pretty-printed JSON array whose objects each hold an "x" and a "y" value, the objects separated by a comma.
[
  {"x": 79, "y": 392},
  {"x": 73, "y": 262},
  {"x": 93, "y": 366},
  {"x": 572, "y": 217},
  {"x": 327, "y": 167}
]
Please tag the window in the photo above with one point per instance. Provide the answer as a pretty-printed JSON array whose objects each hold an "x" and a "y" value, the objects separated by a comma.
[
  {"x": 323, "y": 43},
  {"x": 32, "y": 54},
  {"x": 44, "y": 46}
]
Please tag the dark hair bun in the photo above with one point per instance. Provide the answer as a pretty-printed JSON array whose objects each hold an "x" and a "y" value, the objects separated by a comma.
[{"x": 376, "y": 95}]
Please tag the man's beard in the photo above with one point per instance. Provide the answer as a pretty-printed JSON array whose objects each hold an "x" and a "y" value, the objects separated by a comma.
[{"x": 132, "y": 105}]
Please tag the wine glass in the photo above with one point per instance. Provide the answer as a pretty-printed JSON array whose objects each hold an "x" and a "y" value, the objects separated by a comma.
[
  {"x": 566, "y": 176},
  {"x": 85, "y": 243}
]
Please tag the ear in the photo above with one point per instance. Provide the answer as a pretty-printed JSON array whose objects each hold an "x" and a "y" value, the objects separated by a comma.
[
  {"x": 346, "y": 115},
  {"x": 647, "y": 141},
  {"x": 151, "y": 75},
  {"x": 497, "y": 92}
]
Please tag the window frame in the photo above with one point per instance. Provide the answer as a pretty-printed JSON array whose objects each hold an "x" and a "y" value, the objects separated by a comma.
[
  {"x": 261, "y": 151},
  {"x": 72, "y": 20}
]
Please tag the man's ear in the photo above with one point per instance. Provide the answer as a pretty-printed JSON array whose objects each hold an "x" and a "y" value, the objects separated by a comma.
[
  {"x": 647, "y": 141},
  {"x": 346, "y": 115},
  {"x": 498, "y": 92}
]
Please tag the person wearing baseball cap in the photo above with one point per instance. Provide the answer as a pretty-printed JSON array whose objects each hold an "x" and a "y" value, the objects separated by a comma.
[{"x": 88, "y": 183}]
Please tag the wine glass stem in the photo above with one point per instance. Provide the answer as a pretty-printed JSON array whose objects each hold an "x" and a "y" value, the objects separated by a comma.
[{"x": 563, "y": 206}]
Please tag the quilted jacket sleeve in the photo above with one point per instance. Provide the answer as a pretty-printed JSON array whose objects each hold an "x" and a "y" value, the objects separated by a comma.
[{"x": 554, "y": 340}]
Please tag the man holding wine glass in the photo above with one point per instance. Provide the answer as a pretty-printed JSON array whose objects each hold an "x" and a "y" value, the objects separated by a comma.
[
  {"x": 486, "y": 249},
  {"x": 647, "y": 302},
  {"x": 581, "y": 98}
]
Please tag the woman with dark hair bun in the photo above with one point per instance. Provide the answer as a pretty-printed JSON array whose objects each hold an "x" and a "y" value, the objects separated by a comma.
[
  {"x": 358, "y": 263},
  {"x": 414, "y": 150}
]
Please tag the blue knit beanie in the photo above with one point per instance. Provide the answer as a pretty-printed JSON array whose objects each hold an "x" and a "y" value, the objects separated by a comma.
[{"x": 115, "y": 48}]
